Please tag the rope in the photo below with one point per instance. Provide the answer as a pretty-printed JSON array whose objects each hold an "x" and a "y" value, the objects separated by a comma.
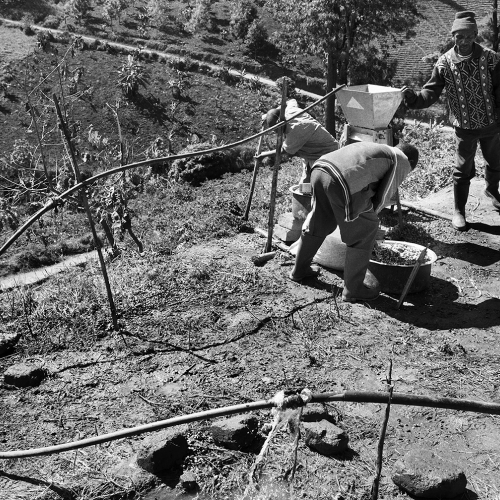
[
  {"x": 278, "y": 401},
  {"x": 155, "y": 161}
]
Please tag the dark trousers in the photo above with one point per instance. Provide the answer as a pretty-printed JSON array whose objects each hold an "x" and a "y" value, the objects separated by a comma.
[
  {"x": 466, "y": 147},
  {"x": 328, "y": 212}
]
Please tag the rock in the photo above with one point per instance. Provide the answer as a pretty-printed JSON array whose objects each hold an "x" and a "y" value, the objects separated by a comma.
[
  {"x": 8, "y": 341},
  {"x": 163, "y": 450},
  {"x": 24, "y": 375},
  {"x": 423, "y": 474},
  {"x": 235, "y": 433},
  {"x": 325, "y": 438},
  {"x": 314, "y": 412},
  {"x": 188, "y": 481}
]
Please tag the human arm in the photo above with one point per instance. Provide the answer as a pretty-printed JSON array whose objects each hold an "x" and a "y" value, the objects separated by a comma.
[
  {"x": 272, "y": 152},
  {"x": 428, "y": 95}
]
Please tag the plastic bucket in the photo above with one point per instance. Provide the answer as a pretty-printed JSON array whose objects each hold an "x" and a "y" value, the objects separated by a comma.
[
  {"x": 393, "y": 277},
  {"x": 301, "y": 203}
]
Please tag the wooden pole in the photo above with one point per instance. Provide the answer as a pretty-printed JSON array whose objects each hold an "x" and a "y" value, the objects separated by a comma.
[
  {"x": 380, "y": 448},
  {"x": 254, "y": 177},
  {"x": 274, "y": 185},
  {"x": 85, "y": 203}
]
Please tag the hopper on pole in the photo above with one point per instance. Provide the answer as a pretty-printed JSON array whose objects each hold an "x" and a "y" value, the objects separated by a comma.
[{"x": 369, "y": 106}]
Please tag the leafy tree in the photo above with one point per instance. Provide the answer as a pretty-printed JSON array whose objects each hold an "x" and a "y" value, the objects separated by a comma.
[
  {"x": 339, "y": 31},
  {"x": 243, "y": 13}
]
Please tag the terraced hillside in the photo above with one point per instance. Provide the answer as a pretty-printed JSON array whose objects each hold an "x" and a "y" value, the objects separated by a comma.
[{"x": 433, "y": 31}]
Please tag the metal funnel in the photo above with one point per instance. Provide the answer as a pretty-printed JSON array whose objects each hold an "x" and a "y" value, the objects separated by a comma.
[{"x": 369, "y": 106}]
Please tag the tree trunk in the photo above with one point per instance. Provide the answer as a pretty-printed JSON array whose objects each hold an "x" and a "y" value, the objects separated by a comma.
[{"x": 331, "y": 83}]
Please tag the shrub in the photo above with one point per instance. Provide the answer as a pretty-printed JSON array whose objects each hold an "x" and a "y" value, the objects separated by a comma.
[
  {"x": 212, "y": 165},
  {"x": 28, "y": 22},
  {"x": 199, "y": 17},
  {"x": 132, "y": 75},
  {"x": 80, "y": 8},
  {"x": 243, "y": 13},
  {"x": 52, "y": 22},
  {"x": 257, "y": 38}
]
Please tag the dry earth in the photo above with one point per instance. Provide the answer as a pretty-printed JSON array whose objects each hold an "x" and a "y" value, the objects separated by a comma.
[
  {"x": 252, "y": 340},
  {"x": 243, "y": 334}
]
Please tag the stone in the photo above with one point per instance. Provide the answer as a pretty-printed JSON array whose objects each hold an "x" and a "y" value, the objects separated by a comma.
[
  {"x": 325, "y": 437},
  {"x": 286, "y": 235},
  {"x": 188, "y": 481},
  {"x": 24, "y": 375},
  {"x": 288, "y": 228},
  {"x": 163, "y": 450},
  {"x": 315, "y": 412},
  {"x": 236, "y": 433},
  {"x": 423, "y": 474},
  {"x": 288, "y": 221},
  {"x": 7, "y": 342}
]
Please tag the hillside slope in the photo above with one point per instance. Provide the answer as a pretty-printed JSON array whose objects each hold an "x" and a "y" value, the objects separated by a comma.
[{"x": 432, "y": 31}]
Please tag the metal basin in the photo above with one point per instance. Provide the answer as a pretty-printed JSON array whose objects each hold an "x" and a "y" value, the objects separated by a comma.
[{"x": 393, "y": 277}]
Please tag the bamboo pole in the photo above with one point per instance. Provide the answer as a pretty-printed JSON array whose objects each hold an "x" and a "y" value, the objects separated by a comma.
[
  {"x": 277, "y": 161},
  {"x": 85, "y": 203}
]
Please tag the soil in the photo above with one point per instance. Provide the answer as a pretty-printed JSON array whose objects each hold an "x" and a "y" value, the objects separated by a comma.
[
  {"x": 247, "y": 343},
  {"x": 203, "y": 328}
]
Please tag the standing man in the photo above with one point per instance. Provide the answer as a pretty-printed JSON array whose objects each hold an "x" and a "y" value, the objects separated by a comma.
[
  {"x": 303, "y": 136},
  {"x": 350, "y": 186},
  {"x": 470, "y": 74}
]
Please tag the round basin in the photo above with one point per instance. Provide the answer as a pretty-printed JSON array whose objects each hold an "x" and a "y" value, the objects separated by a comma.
[{"x": 393, "y": 277}]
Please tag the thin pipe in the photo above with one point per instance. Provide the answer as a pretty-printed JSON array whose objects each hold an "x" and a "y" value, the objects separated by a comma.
[{"x": 347, "y": 396}]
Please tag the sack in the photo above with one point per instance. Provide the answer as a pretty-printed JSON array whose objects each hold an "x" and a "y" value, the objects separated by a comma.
[{"x": 331, "y": 254}]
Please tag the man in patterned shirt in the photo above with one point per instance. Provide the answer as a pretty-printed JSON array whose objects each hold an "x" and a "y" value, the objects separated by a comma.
[{"x": 470, "y": 74}]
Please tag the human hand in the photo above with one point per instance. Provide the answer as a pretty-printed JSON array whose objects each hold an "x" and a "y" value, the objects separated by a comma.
[{"x": 407, "y": 92}]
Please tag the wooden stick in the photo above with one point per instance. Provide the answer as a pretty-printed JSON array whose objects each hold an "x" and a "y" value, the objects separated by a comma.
[
  {"x": 380, "y": 448},
  {"x": 263, "y": 257},
  {"x": 254, "y": 177},
  {"x": 85, "y": 203},
  {"x": 413, "y": 274},
  {"x": 277, "y": 161}
]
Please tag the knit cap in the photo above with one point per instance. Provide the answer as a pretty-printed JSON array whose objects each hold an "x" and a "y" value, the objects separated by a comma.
[{"x": 464, "y": 20}]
